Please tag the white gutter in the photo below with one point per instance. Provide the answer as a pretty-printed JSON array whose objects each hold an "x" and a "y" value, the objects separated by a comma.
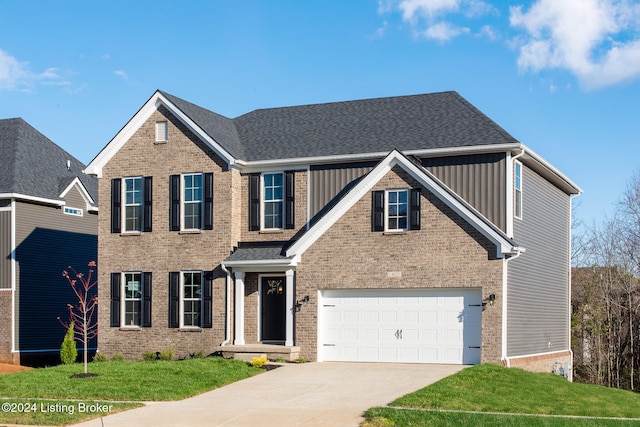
[
  {"x": 227, "y": 329},
  {"x": 505, "y": 277},
  {"x": 32, "y": 199}
]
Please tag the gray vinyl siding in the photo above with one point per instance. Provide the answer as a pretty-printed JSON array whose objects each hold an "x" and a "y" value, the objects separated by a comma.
[
  {"x": 326, "y": 181},
  {"x": 538, "y": 282},
  {"x": 5, "y": 249},
  {"x": 478, "y": 179},
  {"x": 47, "y": 242}
]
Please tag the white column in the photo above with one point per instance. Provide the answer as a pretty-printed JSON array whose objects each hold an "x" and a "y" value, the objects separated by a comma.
[
  {"x": 239, "y": 308},
  {"x": 290, "y": 308}
]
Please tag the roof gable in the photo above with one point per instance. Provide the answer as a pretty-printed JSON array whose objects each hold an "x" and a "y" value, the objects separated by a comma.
[
  {"x": 504, "y": 245},
  {"x": 34, "y": 167},
  {"x": 205, "y": 124}
]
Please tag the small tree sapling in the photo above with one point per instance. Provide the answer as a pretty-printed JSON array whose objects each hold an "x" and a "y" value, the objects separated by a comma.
[{"x": 81, "y": 315}]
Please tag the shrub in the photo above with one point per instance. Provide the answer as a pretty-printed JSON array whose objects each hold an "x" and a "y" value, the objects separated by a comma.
[
  {"x": 258, "y": 362},
  {"x": 68, "y": 351},
  {"x": 149, "y": 355},
  {"x": 117, "y": 357},
  {"x": 166, "y": 354},
  {"x": 99, "y": 357}
]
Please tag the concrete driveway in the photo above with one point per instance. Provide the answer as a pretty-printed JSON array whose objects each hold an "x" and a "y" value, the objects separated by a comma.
[{"x": 309, "y": 394}]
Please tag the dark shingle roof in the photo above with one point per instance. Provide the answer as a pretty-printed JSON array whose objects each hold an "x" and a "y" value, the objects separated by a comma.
[
  {"x": 33, "y": 165},
  {"x": 415, "y": 122},
  {"x": 258, "y": 253}
]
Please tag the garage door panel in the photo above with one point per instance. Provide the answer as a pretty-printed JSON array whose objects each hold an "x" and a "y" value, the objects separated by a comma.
[{"x": 414, "y": 326}]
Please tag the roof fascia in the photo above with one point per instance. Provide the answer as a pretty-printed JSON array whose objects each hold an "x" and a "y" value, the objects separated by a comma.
[
  {"x": 504, "y": 247},
  {"x": 83, "y": 191},
  {"x": 42, "y": 200},
  {"x": 132, "y": 126},
  {"x": 263, "y": 263}
]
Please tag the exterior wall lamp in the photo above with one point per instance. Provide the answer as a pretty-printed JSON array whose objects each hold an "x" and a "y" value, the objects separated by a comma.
[{"x": 299, "y": 302}]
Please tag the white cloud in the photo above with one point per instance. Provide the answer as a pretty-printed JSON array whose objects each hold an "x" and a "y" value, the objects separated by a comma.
[
  {"x": 17, "y": 75},
  {"x": 121, "y": 74},
  {"x": 488, "y": 32},
  {"x": 596, "y": 40},
  {"x": 13, "y": 73},
  {"x": 444, "y": 31},
  {"x": 413, "y": 9}
]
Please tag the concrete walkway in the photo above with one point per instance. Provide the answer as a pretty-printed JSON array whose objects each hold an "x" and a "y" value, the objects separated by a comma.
[{"x": 309, "y": 394}]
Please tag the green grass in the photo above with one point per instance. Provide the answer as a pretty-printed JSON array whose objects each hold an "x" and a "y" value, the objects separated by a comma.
[
  {"x": 120, "y": 384},
  {"x": 491, "y": 388}
]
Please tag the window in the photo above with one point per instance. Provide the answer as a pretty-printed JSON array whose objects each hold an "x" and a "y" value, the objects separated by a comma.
[
  {"x": 191, "y": 298},
  {"x": 162, "y": 132},
  {"x": 518, "y": 190},
  {"x": 132, "y": 299},
  {"x": 137, "y": 200},
  {"x": 397, "y": 211},
  {"x": 72, "y": 211},
  {"x": 273, "y": 200},
  {"x": 192, "y": 201},
  {"x": 133, "y": 204}
]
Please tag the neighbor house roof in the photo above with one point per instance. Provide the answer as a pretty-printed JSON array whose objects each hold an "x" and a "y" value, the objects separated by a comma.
[{"x": 32, "y": 165}]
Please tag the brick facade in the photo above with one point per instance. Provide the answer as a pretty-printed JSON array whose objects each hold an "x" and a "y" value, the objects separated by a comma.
[
  {"x": 6, "y": 356},
  {"x": 162, "y": 251}
]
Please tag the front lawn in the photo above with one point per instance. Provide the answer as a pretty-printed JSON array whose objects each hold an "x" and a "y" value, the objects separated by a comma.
[
  {"x": 49, "y": 396},
  {"x": 491, "y": 388}
]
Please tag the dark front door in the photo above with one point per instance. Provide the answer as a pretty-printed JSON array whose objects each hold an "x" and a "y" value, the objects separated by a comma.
[{"x": 273, "y": 309}]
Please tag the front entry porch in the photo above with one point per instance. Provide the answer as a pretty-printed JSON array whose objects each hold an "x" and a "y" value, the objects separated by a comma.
[{"x": 270, "y": 351}]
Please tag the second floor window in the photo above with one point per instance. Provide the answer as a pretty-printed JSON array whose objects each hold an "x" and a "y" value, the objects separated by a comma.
[
  {"x": 273, "y": 200},
  {"x": 518, "y": 190},
  {"x": 192, "y": 202},
  {"x": 133, "y": 204},
  {"x": 397, "y": 210}
]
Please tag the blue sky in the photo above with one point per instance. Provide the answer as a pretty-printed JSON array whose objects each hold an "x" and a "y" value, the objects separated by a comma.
[{"x": 563, "y": 77}]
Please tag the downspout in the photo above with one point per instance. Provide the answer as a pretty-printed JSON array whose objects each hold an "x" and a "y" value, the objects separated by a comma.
[
  {"x": 505, "y": 275},
  {"x": 227, "y": 329}
]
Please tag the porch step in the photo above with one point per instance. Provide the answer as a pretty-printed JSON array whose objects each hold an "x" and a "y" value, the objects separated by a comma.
[{"x": 249, "y": 351}]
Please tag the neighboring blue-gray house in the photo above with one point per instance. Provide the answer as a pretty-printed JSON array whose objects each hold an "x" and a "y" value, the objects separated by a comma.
[{"x": 48, "y": 221}]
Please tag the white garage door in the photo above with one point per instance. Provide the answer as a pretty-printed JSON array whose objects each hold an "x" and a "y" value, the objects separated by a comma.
[{"x": 411, "y": 326}]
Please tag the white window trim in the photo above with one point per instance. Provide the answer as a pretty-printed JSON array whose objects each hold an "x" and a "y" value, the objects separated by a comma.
[
  {"x": 518, "y": 193},
  {"x": 67, "y": 210},
  {"x": 183, "y": 299},
  {"x": 263, "y": 202},
  {"x": 162, "y": 131},
  {"x": 123, "y": 220},
  {"x": 124, "y": 299},
  {"x": 183, "y": 202},
  {"x": 386, "y": 210}
]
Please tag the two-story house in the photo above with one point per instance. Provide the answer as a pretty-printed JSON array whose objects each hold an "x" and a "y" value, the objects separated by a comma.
[
  {"x": 48, "y": 221},
  {"x": 402, "y": 229}
]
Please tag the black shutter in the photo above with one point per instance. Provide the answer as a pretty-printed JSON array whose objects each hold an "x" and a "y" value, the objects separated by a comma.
[
  {"x": 174, "y": 203},
  {"x": 146, "y": 300},
  {"x": 207, "y": 300},
  {"x": 377, "y": 211},
  {"x": 174, "y": 300},
  {"x": 116, "y": 203},
  {"x": 414, "y": 209},
  {"x": 148, "y": 202},
  {"x": 208, "y": 202},
  {"x": 254, "y": 202},
  {"x": 289, "y": 200},
  {"x": 115, "y": 300}
]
